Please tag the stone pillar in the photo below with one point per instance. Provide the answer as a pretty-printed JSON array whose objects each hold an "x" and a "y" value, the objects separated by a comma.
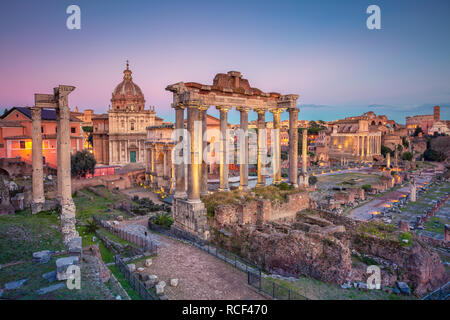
[
  {"x": 58, "y": 160},
  {"x": 223, "y": 169},
  {"x": 195, "y": 154},
  {"x": 180, "y": 177},
  {"x": 388, "y": 160},
  {"x": 38, "y": 170},
  {"x": 413, "y": 192},
  {"x": 262, "y": 144},
  {"x": 293, "y": 146},
  {"x": 305, "y": 177},
  {"x": 362, "y": 146},
  {"x": 243, "y": 156},
  {"x": 276, "y": 143},
  {"x": 204, "y": 165},
  {"x": 67, "y": 205}
]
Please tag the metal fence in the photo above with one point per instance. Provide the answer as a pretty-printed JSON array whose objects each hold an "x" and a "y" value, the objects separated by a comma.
[
  {"x": 443, "y": 293},
  {"x": 133, "y": 280},
  {"x": 141, "y": 241},
  {"x": 273, "y": 289}
]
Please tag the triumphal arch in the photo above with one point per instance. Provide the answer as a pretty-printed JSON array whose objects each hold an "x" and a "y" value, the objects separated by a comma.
[{"x": 227, "y": 91}]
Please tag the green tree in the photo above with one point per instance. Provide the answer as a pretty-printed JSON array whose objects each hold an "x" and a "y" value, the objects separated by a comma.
[
  {"x": 385, "y": 150},
  {"x": 407, "y": 156},
  {"x": 417, "y": 131},
  {"x": 82, "y": 163},
  {"x": 312, "y": 180},
  {"x": 432, "y": 155},
  {"x": 405, "y": 142}
]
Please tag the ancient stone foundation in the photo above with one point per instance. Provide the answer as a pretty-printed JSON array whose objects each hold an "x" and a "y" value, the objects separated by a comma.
[{"x": 190, "y": 220}]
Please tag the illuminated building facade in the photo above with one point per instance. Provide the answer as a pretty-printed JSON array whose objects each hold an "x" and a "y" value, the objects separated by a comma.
[{"x": 16, "y": 136}]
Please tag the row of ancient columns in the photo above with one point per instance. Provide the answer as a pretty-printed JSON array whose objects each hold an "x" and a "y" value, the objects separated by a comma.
[
  {"x": 197, "y": 168},
  {"x": 368, "y": 145},
  {"x": 168, "y": 173}
]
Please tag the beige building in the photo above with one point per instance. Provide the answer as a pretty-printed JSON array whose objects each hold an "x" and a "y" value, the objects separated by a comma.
[
  {"x": 127, "y": 123},
  {"x": 352, "y": 140}
]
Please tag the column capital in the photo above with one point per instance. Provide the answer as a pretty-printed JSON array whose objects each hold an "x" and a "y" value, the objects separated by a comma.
[
  {"x": 178, "y": 106},
  {"x": 260, "y": 110},
  {"x": 203, "y": 108},
  {"x": 223, "y": 108},
  {"x": 277, "y": 110},
  {"x": 36, "y": 112},
  {"x": 243, "y": 109}
]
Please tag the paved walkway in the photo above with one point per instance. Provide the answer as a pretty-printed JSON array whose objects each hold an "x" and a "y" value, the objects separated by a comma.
[
  {"x": 364, "y": 212},
  {"x": 201, "y": 275}
]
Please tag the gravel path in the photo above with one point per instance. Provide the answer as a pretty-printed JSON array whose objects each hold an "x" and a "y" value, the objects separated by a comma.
[{"x": 201, "y": 275}]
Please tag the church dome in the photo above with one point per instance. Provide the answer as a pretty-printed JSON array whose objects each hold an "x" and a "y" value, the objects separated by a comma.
[{"x": 127, "y": 95}]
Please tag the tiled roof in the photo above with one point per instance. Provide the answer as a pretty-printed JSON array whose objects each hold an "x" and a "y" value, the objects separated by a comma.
[{"x": 47, "y": 114}]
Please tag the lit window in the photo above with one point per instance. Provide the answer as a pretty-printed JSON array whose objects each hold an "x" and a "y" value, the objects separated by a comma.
[{"x": 73, "y": 130}]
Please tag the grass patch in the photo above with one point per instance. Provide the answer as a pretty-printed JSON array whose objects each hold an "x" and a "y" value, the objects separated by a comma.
[
  {"x": 435, "y": 225},
  {"x": 272, "y": 193},
  {"x": 22, "y": 234},
  {"x": 124, "y": 283}
]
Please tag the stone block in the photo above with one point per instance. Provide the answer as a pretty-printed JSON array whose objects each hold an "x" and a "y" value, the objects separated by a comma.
[
  {"x": 140, "y": 269},
  {"x": 160, "y": 288},
  {"x": 131, "y": 267},
  {"x": 50, "y": 276},
  {"x": 174, "y": 282},
  {"x": 148, "y": 262},
  {"x": 75, "y": 245},
  {"x": 51, "y": 288},
  {"x": 403, "y": 287},
  {"x": 61, "y": 267},
  {"x": 42, "y": 256},
  {"x": 15, "y": 284}
]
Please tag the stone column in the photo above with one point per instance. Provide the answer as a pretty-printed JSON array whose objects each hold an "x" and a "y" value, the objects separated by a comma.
[
  {"x": 165, "y": 163},
  {"x": 293, "y": 147},
  {"x": 223, "y": 169},
  {"x": 412, "y": 194},
  {"x": 243, "y": 148},
  {"x": 388, "y": 160},
  {"x": 195, "y": 154},
  {"x": 262, "y": 143},
  {"x": 357, "y": 146},
  {"x": 362, "y": 146},
  {"x": 58, "y": 160},
  {"x": 276, "y": 143},
  {"x": 305, "y": 177},
  {"x": 180, "y": 178},
  {"x": 67, "y": 205},
  {"x": 204, "y": 165},
  {"x": 38, "y": 170}
]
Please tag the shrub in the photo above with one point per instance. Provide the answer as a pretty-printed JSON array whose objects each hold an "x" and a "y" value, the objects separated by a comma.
[
  {"x": 366, "y": 187},
  {"x": 405, "y": 236},
  {"x": 407, "y": 156},
  {"x": 91, "y": 226},
  {"x": 312, "y": 180},
  {"x": 162, "y": 219}
]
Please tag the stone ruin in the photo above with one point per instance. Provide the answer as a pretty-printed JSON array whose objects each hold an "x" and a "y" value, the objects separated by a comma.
[{"x": 330, "y": 248}]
